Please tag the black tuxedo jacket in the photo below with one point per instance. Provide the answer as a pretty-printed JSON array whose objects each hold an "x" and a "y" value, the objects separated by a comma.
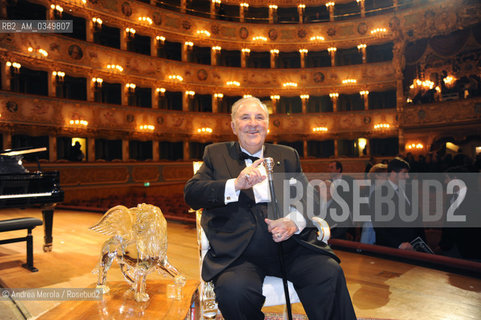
[{"x": 229, "y": 228}]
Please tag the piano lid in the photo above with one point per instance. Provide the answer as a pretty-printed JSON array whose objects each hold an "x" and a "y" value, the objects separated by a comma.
[{"x": 21, "y": 151}]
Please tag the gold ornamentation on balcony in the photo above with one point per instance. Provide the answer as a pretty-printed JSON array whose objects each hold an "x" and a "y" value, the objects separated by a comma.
[
  {"x": 289, "y": 85},
  {"x": 147, "y": 20},
  {"x": 275, "y": 97},
  {"x": 218, "y": 95},
  {"x": 382, "y": 126},
  {"x": 259, "y": 38},
  {"x": 378, "y": 32},
  {"x": 40, "y": 52},
  {"x": 203, "y": 33},
  {"x": 233, "y": 83},
  {"x": 317, "y": 38},
  {"x": 146, "y": 127},
  {"x": 205, "y": 130},
  {"x": 15, "y": 65},
  {"x": 175, "y": 77},
  {"x": 304, "y": 96},
  {"x": 414, "y": 146},
  {"x": 115, "y": 67},
  {"x": 330, "y": 4},
  {"x": 319, "y": 129},
  {"x": 349, "y": 81}
]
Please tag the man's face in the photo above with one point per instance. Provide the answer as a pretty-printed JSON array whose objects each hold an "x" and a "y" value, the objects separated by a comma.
[
  {"x": 250, "y": 126},
  {"x": 397, "y": 177},
  {"x": 333, "y": 170}
]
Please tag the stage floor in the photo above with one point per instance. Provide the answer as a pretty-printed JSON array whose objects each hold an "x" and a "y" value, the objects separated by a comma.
[{"x": 379, "y": 288}]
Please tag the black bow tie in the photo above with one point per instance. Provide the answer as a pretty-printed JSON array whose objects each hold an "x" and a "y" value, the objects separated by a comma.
[{"x": 244, "y": 156}]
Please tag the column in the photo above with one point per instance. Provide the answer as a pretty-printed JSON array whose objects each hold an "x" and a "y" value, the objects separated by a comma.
[
  {"x": 90, "y": 29},
  {"x": 216, "y": 99},
  {"x": 185, "y": 101},
  {"x": 242, "y": 8},
  {"x": 336, "y": 149},
  {"x": 401, "y": 140},
  {"x": 186, "y": 150},
  {"x": 334, "y": 97},
  {"x": 153, "y": 46},
  {"x": 6, "y": 77},
  {"x": 244, "y": 55},
  {"x": 214, "y": 54},
  {"x": 330, "y": 6},
  {"x": 125, "y": 150},
  {"x": 90, "y": 89},
  {"x": 3, "y": 9},
  {"x": 368, "y": 148},
  {"x": 275, "y": 101},
  {"x": 125, "y": 94},
  {"x": 304, "y": 148},
  {"x": 363, "y": 7},
  {"x": 332, "y": 53},
  {"x": 52, "y": 85},
  {"x": 212, "y": 9},
  {"x": 185, "y": 52},
  {"x": 155, "y": 150},
  {"x": 362, "y": 48},
  {"x": 7, "y": 140},
  {"x": 52, "y": 148},
  {"x": 272, "y": 13},
  {"x": 155, "y": 98},
  {"x": 303, "y": 53},
  {"x": 300, "y": 11},
  {"x": 365, "y": 98},
  {"x": 123, "y": 40},
  {"x": 90, "y": 149},
  {"x": 274, "y": 55},
  {"x": 305, "y": 100},
  {"x": 183, "y": 6}
]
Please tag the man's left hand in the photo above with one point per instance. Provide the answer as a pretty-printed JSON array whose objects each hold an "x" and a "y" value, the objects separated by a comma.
[{"x": 281, "y": 229}]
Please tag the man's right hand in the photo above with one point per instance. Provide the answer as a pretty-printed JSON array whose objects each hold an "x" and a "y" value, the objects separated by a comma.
[{"x": 250, "y": 176}]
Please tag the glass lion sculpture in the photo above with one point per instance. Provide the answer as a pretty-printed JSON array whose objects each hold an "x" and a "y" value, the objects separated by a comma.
[{"x": 138, "y": 242}]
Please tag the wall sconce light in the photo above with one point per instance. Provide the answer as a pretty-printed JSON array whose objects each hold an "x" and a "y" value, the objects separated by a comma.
[
  {"x": 97, "y": 81},
  {"x": 190, "y": 93},
  {"x": 244, "y": 5},
  {"x": 14, "y": 65},
  {"x": 331, "y": 49},
  {"x": 302, "y": 6},
  {"x": 218, "y": 95},
  {"x": 216, "y": 1},
  {"x": 319, "y": 129},
  {"x": 147, "y": 127},
  {"x": 330, "y": 4},
  {"x": 130, "y": 87},
  {"x": 333, "y": 95},
  {"x": 275, "y": 97},
  {"x": 382, "y": 126},
  {"x": 130, "y": 32},
  {"x": 216, "y": 48},
  {"x": 233, "y": 83},
  {"x": 247, "y": 96},
  {"x": 303, "y": 51},
  {"x": 272, "y": 6},
  {"x": 160, "y": 90},
  {"x": 364, "y": 93},
  {"x": 289, "y": 85},
  {"x": 205, "y": 130},
  {"x": 414, "y": 146},
  {"x": 203, "y": 33},
  {"x": 79, "y": 123},
  {"x": 359, "y": 1},
  {"x": 378, "y": 32},
  {"x": 246, "y": 51},
  {"x": 145, "y": 20},
  {"x": 304, "y": 96},
  {"x": 349, "y": 81},
  {"x": 175, "y": 77},
  {"x": 259, "y": 38},
  {"x": 57, "y": 10},
  {"x": 161, "y": 39},
  {"x": 317, "y": 38},
  {"x": 59, "y": 75},
  {"x": 115, "y": 67},
  {"x": 361, "y": 46},
  {"x": 275, "y": 52},
  {"x": 449, "y": 81},
  {"x": 97, "y": 23},
  {"x": 40, "y": 52}
]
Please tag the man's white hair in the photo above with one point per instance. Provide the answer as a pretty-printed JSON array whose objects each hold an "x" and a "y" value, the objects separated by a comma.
[{"x": 242, "y": 101}]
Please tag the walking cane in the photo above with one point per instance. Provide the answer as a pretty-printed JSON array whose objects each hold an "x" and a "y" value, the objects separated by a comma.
[{"x": 269, "y": 164}]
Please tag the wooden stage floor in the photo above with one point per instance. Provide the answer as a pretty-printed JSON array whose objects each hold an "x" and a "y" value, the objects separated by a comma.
[{"x": 379, "y": 288}]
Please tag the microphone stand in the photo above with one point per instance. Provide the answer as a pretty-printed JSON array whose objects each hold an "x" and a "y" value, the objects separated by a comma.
[{"x": 269, "y": 164}]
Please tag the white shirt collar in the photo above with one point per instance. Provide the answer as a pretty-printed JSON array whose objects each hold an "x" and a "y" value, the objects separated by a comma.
[{"x": 259, "y": 154}]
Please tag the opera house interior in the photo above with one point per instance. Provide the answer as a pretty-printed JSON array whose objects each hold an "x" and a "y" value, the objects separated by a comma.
[{"x": 125, "y": 95}]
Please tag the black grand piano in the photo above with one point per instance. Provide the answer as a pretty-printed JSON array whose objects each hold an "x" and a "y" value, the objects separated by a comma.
[{"x": 20, "y": 188}]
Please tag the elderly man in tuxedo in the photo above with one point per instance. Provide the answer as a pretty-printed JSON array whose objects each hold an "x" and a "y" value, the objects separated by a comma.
[{"x": 232, "y": 188}]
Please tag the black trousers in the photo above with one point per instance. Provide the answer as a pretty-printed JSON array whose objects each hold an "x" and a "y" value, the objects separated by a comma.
[{"x": 318, "y": 280}]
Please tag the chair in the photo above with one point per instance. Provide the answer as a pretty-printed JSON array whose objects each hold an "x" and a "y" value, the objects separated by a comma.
[{"x": 272, "y": 288}]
